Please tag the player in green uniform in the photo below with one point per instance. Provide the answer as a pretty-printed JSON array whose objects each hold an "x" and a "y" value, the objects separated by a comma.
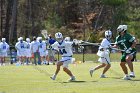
[{"x": 126, "y": 42}]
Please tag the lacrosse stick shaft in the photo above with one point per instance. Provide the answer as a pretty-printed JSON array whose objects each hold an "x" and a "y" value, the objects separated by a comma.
[
  {"x": 89, "y": 43},
  {"x": 96, "y": 44}
]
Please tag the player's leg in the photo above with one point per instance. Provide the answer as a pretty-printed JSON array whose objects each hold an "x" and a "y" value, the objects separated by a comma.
[
  {"x": 44, "y": 57},
  {"x": 59, "y": 64},
  {"x": 72, "y": 77},
  {"x": 130, "y": 65},
  {"x": 107, "y": 66},
  {"x": 124, "y": 67},
  {"x": 65, "y": 69},
  {"x": 102, "y": 60},
  {"x": 39, "y": 58},
  {"x": 2, "y": 60},
  {"x": 35, "y": 57}
]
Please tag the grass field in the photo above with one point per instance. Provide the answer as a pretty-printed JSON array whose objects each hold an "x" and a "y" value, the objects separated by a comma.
[{"x": 36, "y": 79}]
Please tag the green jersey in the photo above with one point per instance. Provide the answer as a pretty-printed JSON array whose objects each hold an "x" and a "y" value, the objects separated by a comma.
[{"x": 124, "y": 42}]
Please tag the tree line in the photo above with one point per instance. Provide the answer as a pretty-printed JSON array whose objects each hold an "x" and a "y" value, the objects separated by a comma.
[{"x": 81, "y": 19}]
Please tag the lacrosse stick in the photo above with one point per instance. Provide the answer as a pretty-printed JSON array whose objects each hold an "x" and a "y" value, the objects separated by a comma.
[
  {"x": 97, "y": 44},
  {"x": 44, "y": 33}
]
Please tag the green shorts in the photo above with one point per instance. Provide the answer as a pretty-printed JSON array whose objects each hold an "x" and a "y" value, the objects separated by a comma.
[{"x": 123, "y": 57}]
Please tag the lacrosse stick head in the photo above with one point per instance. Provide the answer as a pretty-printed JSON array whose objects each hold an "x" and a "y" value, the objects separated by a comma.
[{"x": 44, "y": 33}]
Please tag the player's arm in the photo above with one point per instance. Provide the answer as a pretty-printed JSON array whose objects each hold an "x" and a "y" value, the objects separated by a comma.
[
  {"x": 7, "y": 47},
  {"x": 31, "y": 47},
  {"x": 133, "y": 43},
  {"x": 55, "y": 46},
  {"x": 16, "y": 46}
]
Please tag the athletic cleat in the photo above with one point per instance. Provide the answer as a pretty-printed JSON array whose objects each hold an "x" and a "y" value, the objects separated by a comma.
[
  {"x": 91, "y": 72},
  {"x": 53, "y": 77},
  {"x": 126, "y": 78},
  {"x": 132, "y": 75},
  {"x": 72, "y": 79},
  {"x": 102, "y": 76}
]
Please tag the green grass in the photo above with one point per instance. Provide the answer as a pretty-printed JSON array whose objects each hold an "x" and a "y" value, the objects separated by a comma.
[{"x": 36, "y": 79}]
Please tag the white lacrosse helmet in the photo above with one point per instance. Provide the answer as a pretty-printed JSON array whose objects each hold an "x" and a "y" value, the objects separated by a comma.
[
  {"x": 21, "y": 38},
  {"x": 28, "y": 39},
  {"x": 39, "y": 38},
  {"x": 125, "y": 27},
  {"x": 18, "y": 39},
  {"x": 67, "y": 38},
  {"x": 59, "y": 36},
  {"x": 108, "y": 34},
  {"x": 3, "y": 39},
  {"x": 122, "y": 28}
]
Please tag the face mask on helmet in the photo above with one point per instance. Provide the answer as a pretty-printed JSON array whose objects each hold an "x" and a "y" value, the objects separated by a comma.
[
  {"x": 122, "y": 28},
  {"x": 40, "y": 39},
  {"x": 67, "y": 39},
  {"x": 59, "y": 37},
  {"x": 28, "y": 40},
  {"x": 3, "y": 39},
  {"x": 21, "y": 39},
  {"x": 108, "y": 34}
]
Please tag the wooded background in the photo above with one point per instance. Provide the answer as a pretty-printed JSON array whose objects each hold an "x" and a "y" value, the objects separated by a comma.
[{"x": 81, "y": 19}]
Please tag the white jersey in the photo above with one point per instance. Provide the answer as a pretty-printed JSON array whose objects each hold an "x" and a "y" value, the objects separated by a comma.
[
  {"x": 34, "y": 46},
  {"x": 103, "y": 51},
  {"x": 28, "y": 50},
  {"x": 65, "y": 48},
  {"x": 4, "y": 47},
  {"x": 105, "y": 44},
  {"x": 21, "y": 46},
  {"x": 42, "y": 46}
]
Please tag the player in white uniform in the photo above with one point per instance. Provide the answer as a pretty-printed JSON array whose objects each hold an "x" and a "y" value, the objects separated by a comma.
[
  {"x": 21, "y": 50},
  {"x": 67, "y": 39},
  {"x": 35, "y": 51},
  {"x": 65, "y": 48},
  {"x": 42, "y": 49},
  {"x": 28, "y": 51},
  {"x": 4, "y": 47},
  {"x": 103, "y": 53}
]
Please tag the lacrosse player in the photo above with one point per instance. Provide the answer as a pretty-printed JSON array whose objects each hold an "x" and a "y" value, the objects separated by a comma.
[
  {"x": 103, "y": 53},
  {"x": 67, "y": 39},
  {"x": 35, "y": 50},
  {"x": 51, "y": 53},
  {"x": 28, "y": 51},
  {"x": 65, "y": 48},
  {"x": 42, "y": 49},
  {"x": 4, "y": 49},
  {"x": 21, "y": 50},
  {"x": 126, "y": 42}
]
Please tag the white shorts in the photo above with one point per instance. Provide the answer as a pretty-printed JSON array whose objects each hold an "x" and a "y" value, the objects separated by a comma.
[
  {"x": 3, "y": 54},
  {"x": 28, "y": 53},
  {"x": 21, "y": 53},
  {"x": 66, "y": 61},
  {"x": 42, "y": 53},
  {"x": 104, "y": 57}
]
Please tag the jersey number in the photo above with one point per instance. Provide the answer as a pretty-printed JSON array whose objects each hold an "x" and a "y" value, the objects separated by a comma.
[
  {"x": 22, "y": 46},
  {"x": 4, "y": 47},
  {"x": 28, "y": 46},
  {"x": 63, "y": 51}
]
